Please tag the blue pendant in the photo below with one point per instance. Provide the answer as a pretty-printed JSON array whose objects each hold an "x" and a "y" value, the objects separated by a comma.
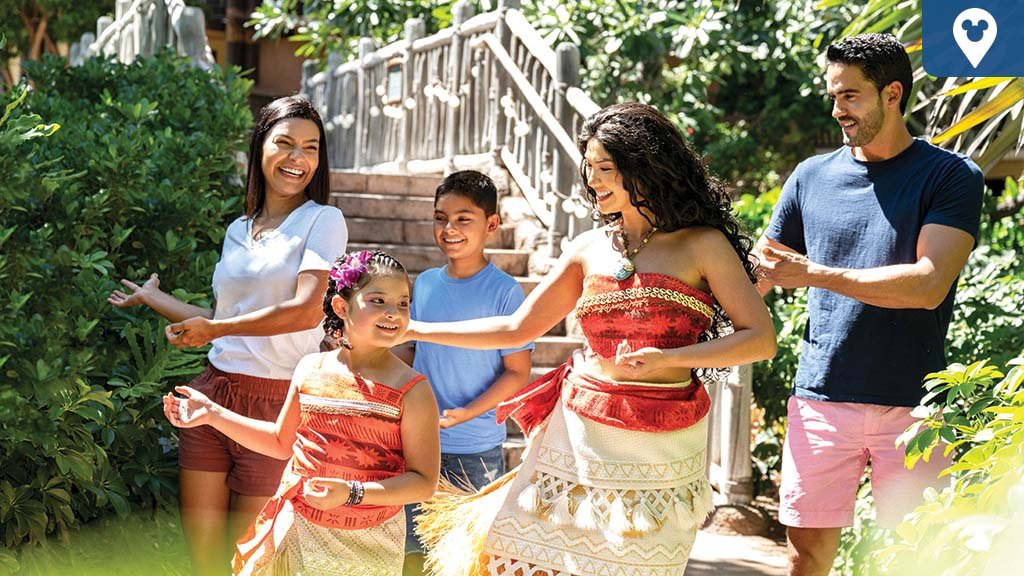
[{"x": 626, "y": 269}]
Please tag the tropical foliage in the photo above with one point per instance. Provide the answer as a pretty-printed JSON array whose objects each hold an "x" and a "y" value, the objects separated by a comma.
[{"x": 139, "y": 178}]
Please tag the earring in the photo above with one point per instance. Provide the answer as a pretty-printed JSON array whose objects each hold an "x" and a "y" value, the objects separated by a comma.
[{"x": 345, "y": 343}]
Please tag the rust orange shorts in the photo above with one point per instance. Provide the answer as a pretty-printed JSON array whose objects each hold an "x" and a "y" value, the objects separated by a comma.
[{"x": 207, "y": 450}]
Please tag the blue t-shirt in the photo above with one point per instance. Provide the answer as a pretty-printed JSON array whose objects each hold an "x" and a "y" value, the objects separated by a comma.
[
  {"x": 846, "y": 213},
  {"x": 459, "y": 375}
]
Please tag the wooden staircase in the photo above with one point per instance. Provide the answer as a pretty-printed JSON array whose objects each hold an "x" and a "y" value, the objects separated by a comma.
[{"x": 395, "y": 213}]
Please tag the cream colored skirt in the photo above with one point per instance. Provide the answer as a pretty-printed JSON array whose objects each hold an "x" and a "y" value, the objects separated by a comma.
[
  {"x": 309, "y": 549},
  {"x": 588, "y": 500}
]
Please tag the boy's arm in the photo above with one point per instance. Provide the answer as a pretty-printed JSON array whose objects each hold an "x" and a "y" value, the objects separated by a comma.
[
  {"x": 405, "y": 352},
  {"x": 515, "y": 376}
]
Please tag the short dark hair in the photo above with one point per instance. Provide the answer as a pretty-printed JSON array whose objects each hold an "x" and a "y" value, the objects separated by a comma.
[
  {"x": 476, "y": 187},
  {"x": 319, "y": 188},
  {"x": 881, "y": 57}
]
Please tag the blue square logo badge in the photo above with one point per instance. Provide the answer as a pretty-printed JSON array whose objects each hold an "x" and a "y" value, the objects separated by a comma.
[{"x": 972, "y": 38}]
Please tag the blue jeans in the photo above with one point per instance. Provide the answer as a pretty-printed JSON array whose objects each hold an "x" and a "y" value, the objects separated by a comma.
[{"x": 467, "y": 471}]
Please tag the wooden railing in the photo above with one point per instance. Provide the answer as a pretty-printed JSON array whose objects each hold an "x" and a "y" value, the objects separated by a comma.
[
  {"x": 143, "y": 27},
  {"x": 488, "y": 88}
]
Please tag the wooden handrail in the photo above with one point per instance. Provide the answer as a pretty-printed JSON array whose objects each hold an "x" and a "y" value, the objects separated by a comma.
[{"x": 554, "y": 129}]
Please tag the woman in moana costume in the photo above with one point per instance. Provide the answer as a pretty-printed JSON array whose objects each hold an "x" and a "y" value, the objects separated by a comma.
[{"x": 613, "y": 480}]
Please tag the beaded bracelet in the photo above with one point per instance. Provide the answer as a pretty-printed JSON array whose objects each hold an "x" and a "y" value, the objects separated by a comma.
[{"x": 355, "y": 493}]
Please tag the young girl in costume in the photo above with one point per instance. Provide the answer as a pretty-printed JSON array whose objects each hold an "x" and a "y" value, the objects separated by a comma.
[
  {"x": 613, "y": 481},
  {"x": 360, "y": 427}
]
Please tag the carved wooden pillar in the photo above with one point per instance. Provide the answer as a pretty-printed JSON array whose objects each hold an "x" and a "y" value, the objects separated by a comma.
[{"x": 501, "y": 85}]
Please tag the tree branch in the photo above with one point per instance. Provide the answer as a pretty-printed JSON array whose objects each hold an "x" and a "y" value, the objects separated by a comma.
[{"x": 37, "y": 43}]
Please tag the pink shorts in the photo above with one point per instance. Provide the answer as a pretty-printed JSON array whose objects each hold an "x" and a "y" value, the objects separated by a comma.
[
  {"x": 207, "y": 450},
  {"x": 827, "y": 447}
]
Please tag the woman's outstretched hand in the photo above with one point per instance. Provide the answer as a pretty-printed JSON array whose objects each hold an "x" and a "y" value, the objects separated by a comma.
[
  {"x": 139, "y": 294},
  {"x": 195, "y": 409},
  {"x": 326, "y": 493},
  {"x": 192, "y": 333}
]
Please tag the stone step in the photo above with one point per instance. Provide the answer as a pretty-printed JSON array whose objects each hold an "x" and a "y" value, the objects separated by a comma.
[
  {"x": 417, "y": 258},
  {"x": 392, "y": 184},
  {"x": 384, "y": 206},
  {"x": 414, "y": 232}
]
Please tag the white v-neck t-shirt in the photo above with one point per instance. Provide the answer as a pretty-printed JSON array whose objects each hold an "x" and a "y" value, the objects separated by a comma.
[{"x": 254, "y": 274}]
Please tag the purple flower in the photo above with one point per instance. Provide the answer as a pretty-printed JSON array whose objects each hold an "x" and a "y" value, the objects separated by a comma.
[{"x": 352, "y": 269}]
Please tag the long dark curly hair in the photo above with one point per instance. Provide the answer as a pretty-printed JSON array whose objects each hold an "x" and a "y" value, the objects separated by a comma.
[
  {"x": 380, "y": 264},
  {"x": 665, "y": 179}
]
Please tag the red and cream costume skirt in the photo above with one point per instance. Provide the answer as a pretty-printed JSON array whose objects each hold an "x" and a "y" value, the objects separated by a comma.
[{"x": 613, "y": 482}]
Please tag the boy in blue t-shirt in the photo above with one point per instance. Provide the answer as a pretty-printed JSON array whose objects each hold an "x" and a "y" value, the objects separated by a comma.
[{"x": 468, "y": 384}]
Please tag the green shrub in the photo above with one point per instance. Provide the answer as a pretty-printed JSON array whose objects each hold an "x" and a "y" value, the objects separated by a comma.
[
  {"x": 141, "y": 177},
  {"x": 974, "y": 527}
]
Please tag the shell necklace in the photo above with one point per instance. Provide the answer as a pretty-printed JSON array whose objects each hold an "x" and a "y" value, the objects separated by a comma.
[{"x": 626, "y": 266}]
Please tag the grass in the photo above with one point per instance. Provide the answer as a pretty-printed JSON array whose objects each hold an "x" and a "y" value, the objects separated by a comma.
[{"x": 143, "y": 543}]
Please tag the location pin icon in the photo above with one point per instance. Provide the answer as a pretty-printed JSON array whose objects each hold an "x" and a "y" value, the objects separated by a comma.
[{"x": 974, "y": 31}]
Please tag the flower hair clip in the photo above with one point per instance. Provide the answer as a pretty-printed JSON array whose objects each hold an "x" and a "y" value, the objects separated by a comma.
[{"x": 351, "y": 269}]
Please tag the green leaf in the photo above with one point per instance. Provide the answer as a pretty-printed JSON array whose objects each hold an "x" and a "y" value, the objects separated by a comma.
[{"x": 1006, "y": 99}]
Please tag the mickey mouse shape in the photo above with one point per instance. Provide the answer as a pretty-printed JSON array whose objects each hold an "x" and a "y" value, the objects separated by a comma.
[{"x": 975, "y": 32}]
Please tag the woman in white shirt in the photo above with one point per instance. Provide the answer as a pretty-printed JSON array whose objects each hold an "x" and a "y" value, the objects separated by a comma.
[{"x": 268, "y": 287}]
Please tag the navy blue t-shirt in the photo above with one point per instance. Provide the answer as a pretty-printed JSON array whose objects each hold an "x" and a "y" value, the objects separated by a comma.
[{"x": 845, "y": 213}]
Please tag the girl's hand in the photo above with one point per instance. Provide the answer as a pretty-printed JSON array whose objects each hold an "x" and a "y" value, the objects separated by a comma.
[
  {"x": 192, "y": 333},
  {"x": 453, "y": 417},
  {"x": 139, "y": 294},
  {"x": 195, "y": 409},
  {"x": 640, "y": 362},
  {"x": 326, "y": 493}
]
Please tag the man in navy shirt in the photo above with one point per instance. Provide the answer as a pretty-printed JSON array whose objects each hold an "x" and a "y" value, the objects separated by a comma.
[{"x": 878, "y": 231}]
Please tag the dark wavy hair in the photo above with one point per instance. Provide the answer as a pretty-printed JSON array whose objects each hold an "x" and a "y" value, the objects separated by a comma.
[
  {"x": 319, "y": 188},
  {"x": 380, "y": 264},
  {"x": 665, "y": 179},
  {"x": 881, "y": 57}
]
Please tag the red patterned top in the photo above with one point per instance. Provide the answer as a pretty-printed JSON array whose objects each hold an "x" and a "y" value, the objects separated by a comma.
[
  {"x": 350, "y": 429},
  {"x": 646, "y": 309}
]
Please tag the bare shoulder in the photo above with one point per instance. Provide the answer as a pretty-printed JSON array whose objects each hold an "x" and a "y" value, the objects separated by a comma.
[{"x": 308, "y": 362}]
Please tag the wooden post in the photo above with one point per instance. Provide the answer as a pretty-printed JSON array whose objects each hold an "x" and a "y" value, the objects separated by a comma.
[
  {"x": 102, "y": 23},
  {"x": 192, "y": 35},
  {"x": 348, "y": 106},
  {"x": 330, "y": 110},
  {"x": 308, "y": 70},
  {"x": 141, "y": 40},
  {"x": 501, "y": 84},
  {"x": 159, "y": 26},
  {"x": 364, "y": 98},
  {"x": 461, "y": 12},
  {"x": 414, "y": 30},
  {"x": 122, "y": 41},
  {"x": 729, "y": 437},
  {"x": 567, "y": 73}
]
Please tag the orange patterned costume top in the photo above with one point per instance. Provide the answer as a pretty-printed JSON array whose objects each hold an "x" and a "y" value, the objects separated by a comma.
[
  {"x": 350, "y": 428},
  {"x": 647, "y": 309}
]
